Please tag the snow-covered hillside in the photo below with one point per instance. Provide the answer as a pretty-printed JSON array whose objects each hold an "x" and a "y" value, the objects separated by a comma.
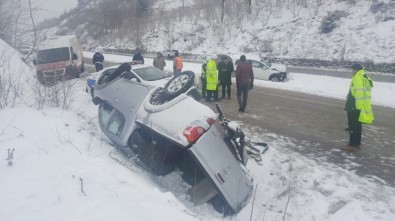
[{"x": 362, "y": 30}]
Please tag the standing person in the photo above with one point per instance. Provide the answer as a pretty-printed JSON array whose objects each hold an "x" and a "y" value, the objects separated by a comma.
[
  {"x": 159, "y": 61},
  {"x": 138, "y": 57},
  {"x": 244, "y": 82},
  {"x": 177, "y": 64},
  {"x": 98, "y": 60},
  {"x": 225, "y": 69},
  {"x": 211, "y": 79},
  {"x": 358, "y": 106},
  {"x": 203, "y": 79}
]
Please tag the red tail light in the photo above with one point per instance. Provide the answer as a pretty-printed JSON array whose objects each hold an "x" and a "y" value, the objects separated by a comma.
[{"x": 193, "y": 133}]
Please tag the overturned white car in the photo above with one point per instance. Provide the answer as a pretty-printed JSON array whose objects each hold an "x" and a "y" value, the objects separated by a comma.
[{"x": 168, "y": 129}]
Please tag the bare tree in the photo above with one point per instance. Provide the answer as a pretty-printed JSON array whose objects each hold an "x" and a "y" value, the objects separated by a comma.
[
  {"x": 222, "y": 4},
  {"x": 249, "y": 2},
  {"x": 34, "y": 33},
  {"x": 294, "y": 6},
  {"x": 11, "y": 88}
]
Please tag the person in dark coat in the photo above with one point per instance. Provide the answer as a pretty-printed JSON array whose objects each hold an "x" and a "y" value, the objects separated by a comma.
[
  {"x": 203, "y": 79},
  {"x": 138, "y": 57},
  {"x": 225, "y": 69},
  {"x": 98, "y": 60},
  {"x": 244, "y": 82},
  {"x": 159, "y": 61}
]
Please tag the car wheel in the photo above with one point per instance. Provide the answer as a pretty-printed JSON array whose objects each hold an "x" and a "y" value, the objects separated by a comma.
[
  {"x": 179, "y": 84},
  {"x": 274, "y": 78},
  {"x": 221, "y": 206}
]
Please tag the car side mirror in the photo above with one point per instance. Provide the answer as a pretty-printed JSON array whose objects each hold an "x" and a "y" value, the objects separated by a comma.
[
  {"x": 74, "y": 57},
  {"x": 34, "y": 61}
]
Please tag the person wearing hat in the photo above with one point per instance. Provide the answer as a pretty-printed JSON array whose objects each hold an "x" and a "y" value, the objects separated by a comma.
[
  {"x": 244, "y": 82},
  {"x": 358, "y": 106}
]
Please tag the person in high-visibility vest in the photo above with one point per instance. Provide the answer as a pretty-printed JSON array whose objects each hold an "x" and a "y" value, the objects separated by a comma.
[
  {"x": 177, "y": 64},
  {"x": 212, "y": 79},
  {"x": 358, "y": 106}
]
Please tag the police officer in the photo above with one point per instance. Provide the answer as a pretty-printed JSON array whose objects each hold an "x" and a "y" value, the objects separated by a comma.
[
  {"x": 358, "y": 106},
  {"x": 211, "y": 79}
]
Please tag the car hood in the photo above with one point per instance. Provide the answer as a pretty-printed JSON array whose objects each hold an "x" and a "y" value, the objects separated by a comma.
[
  {"x": 171, "y": 119},
  {"x": 279, "y": 67}
]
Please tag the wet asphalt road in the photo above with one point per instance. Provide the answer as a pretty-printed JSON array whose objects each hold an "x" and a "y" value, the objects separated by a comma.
[{"x": 315, "y": 126}]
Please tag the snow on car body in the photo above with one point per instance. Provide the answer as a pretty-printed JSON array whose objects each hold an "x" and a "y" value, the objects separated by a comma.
[
  {"x": 179, "y": 131},
  {"x": 143, "y": 73}
]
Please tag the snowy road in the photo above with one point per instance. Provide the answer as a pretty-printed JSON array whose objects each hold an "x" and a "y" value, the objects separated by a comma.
[{"x": 316, "y": 126}]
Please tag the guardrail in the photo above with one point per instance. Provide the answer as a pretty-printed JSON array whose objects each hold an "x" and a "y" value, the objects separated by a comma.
[{"x": 296, "y": 62}]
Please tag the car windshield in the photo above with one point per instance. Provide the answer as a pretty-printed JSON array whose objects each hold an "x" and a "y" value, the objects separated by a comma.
[
  {"x": 266, "y": 63},
  {"x": 151, "y": 73},
  {"x": 53, "y": 55}
]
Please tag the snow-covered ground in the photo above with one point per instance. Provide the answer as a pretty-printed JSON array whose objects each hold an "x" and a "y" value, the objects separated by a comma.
[{"x": 64, "y": 168}]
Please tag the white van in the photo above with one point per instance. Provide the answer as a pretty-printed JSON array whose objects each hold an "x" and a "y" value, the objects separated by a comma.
[{"x": 59, "y": 57}]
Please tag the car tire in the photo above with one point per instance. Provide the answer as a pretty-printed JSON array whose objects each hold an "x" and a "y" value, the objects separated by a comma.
[
  {"x": 221, "y": 206},
  {"x": 274, "y": 78},
  {"x": 178, "y": 85}
]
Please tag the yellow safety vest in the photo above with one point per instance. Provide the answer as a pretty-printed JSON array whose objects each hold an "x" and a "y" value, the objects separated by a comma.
[
  {"x": 361, "y": 89},
  {"x": 211, "y": 75}
]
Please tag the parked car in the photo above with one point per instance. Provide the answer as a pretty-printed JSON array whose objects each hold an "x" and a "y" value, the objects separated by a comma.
[
  {"x": 169, "y": 54},
  {"x": 264, "y": 70},
  {"x": 143, "y": 73},
  {"x": 169, "y": 130}
]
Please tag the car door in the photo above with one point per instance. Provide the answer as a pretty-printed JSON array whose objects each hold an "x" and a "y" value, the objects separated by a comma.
[
  {"x": 225, "y": 172},
  {"x": 261, "y": 72},
  {"x": 125, "y": 98}
]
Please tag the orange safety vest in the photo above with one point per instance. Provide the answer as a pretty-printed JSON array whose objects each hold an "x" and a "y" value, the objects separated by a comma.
[{"x": 178, "y": 61}]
